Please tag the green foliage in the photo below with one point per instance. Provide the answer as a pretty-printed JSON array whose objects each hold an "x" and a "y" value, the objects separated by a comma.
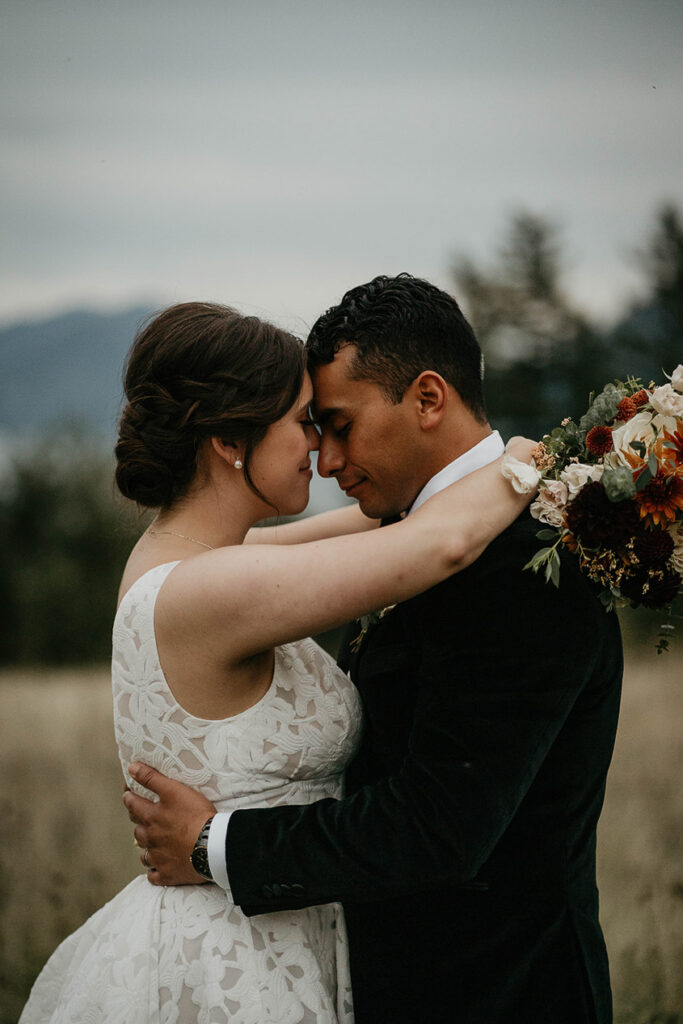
[
  {"x": 618, "y": 484},
  {"x": 64, "y": 539},
  {"x": 603, "y": 408},
  {"x": 649, "y": 340},
  {"x": 543, "y": 356},
  {"x": 564, "y": 443},
  {"x": 548, "y": 558}
]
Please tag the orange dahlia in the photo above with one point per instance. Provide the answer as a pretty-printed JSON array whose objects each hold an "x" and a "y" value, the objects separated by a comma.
[
  {"x": 661, "y": 500},
  {"x": 626, "y": 409},
  {"x": 599, "y": 440},
  {"x": 641, "y": 397}
]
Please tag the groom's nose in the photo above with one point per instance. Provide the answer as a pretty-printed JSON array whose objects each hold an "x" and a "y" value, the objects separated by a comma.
[{"x": 330, "y": 457}]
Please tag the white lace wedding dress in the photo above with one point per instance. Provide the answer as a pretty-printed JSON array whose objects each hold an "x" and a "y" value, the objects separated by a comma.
[{"x": 183, "y": 955}]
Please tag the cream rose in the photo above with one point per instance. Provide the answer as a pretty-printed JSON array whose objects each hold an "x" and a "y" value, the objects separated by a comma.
[
  {"x": 639, "y": 428},
  {"x": 576, "y": 474},
  {"x": 677, "y": 378},
  {"x": 523, "y": 476},
  {"x": 549, "y": 506},
  {"x": 667, "y": 401}
]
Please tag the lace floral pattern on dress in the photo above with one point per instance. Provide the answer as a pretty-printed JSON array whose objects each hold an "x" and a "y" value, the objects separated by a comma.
[{"x": 183, "y": 955}]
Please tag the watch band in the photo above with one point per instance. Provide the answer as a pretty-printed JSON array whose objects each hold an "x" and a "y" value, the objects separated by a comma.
[{"x": 200, "y": 854}]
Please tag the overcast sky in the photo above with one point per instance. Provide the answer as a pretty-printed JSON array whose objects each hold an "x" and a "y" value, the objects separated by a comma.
[{"x": 272, "y": 153}]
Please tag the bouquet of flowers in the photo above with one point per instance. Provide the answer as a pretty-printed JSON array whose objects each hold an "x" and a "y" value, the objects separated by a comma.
[{"x": 610, "y": 488}]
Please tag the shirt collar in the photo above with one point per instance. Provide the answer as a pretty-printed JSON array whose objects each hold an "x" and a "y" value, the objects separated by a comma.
[{"x": 480, "y": 455}]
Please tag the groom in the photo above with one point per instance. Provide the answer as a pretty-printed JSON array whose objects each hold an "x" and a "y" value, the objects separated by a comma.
[{"x": 464, "y": 851}]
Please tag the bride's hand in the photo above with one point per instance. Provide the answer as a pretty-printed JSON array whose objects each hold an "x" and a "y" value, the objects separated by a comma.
[{"x": 521, "y": 448}]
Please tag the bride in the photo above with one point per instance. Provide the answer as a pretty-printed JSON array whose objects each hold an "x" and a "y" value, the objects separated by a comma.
[{"x": 214, "y": 681}]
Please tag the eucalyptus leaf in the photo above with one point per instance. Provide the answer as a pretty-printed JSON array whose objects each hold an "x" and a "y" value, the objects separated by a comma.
[
  {"x": 638, "y": 446},
  {"x": 555, "y": 569},
  {"x": 618, "y": 483},
  {"x": 652, "y": 463},
  {"x": 539, "y": 558},
  {"x": 644, "y": 479},
  {"x": 547, "y": 535},
  {"x": 542, "y": 554}
]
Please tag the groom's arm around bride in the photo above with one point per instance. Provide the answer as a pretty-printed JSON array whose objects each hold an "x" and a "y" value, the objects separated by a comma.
[{"x": 491, "y": 704}]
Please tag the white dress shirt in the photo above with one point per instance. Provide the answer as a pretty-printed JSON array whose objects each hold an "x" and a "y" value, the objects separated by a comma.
[{"x": 480, "y": 455}]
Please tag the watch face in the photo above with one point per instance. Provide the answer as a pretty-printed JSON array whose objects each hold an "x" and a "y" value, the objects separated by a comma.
[{"x": 200, "y": 861}]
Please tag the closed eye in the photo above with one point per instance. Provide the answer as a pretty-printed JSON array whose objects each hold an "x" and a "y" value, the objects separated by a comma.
[{"x": 306, "y": 421}]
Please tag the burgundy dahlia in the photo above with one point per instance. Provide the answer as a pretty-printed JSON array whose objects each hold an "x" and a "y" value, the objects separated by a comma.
[
  {"x": 654, "y": 588},
  {"x": 653, "y": 547},
  {"x": 599, "y": 522}
]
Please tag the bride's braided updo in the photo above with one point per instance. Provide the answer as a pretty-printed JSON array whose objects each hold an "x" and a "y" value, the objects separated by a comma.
[{"x": 196, "y": 371}]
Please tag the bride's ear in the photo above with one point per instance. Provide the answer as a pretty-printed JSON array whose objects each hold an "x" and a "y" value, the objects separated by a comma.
[{"x": 228, "y": 451}]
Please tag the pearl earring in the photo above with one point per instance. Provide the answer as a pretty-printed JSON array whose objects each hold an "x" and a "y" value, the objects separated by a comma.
[{"x": 237, "y": 463}]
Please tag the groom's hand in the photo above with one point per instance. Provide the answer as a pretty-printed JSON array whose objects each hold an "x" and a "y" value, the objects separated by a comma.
[{"x": 167, "y": 830}]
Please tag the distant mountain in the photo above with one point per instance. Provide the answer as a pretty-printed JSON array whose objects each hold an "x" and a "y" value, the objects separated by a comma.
[
  {"x": 66, "y": 368},
  {"x": 69, "y": 369}
]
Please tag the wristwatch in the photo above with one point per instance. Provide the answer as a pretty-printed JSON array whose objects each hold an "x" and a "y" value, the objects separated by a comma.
[{"x": 200, "y": 855}]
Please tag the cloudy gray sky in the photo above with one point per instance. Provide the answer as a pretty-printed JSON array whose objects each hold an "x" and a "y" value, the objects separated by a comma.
[{"x": 272, "y": 153}]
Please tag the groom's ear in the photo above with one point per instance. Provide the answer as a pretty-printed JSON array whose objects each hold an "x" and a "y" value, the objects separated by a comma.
[{"x": 430, "y": 392}]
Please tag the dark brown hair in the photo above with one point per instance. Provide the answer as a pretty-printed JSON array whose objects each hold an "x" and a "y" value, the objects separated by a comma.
[{"x": 196, "y": 371}]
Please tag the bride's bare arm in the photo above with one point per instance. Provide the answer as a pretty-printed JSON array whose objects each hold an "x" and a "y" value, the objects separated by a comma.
[
  {"x": 337, "y": 523},
  {"x": 248, "y": 598}
]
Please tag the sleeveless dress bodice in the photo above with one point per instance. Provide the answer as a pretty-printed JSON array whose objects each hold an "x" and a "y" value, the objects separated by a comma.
[
  {"x": 181, "y": 955},
  {"x": 290, "y": 747}
]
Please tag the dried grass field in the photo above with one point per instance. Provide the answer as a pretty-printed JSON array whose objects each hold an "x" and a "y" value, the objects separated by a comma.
[{"x": 66, "y": 843}]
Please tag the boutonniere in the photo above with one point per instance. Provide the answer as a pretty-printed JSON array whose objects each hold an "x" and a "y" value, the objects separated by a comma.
[{"x": 366, "y": 623}]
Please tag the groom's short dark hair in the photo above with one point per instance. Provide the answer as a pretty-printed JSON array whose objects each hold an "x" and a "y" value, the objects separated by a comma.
[{"x": 401, "y": 326}]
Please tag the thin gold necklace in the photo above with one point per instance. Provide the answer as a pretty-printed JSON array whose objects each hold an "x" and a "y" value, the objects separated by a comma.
[{"x": 172, "y": 533}]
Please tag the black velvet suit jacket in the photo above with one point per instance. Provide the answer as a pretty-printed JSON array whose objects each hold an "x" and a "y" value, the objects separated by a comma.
[{"x": 464, "y": 851}]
